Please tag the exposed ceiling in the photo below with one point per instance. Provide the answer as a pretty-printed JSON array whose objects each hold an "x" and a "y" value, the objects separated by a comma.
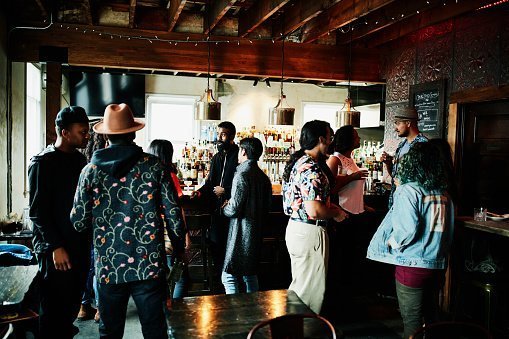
[{"x": 364, "y": 23}]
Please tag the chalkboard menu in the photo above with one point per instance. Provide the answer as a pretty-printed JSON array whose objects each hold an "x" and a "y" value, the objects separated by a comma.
[{"x": 428, "y": 100}]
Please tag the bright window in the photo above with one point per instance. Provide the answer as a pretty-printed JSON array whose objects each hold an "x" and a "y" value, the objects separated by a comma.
[
  {"x": 172, "y": 118},
  {"x": 320, "y": 111},
  {"x": 34, "y": 136}
]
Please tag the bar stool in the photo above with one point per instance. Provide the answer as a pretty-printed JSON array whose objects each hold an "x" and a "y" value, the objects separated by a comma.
[
  {"x": 492, "y": 291},
  {"x": 197, "y": 225}
]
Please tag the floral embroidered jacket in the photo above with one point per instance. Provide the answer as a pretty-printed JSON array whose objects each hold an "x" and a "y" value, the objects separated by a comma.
[{"x": 127, "y": 202}]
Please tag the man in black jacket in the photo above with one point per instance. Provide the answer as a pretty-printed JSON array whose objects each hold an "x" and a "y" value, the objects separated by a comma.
[
  {"x": 217, "y": 190},
  {"x": 63, "y": 253}
]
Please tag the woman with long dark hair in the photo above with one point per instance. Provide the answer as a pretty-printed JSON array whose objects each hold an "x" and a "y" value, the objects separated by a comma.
[
  {"x": 306, "y": 199},
  {"x": 416, "y": 234},
  {"x": 163, "y": 149}
]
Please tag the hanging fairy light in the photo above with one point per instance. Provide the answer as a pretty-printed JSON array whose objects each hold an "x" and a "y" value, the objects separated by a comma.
[
  {"x": 282, "y": 113},
  {"x": 208, "y": 108},
  {"x": 348, "y": 115}
]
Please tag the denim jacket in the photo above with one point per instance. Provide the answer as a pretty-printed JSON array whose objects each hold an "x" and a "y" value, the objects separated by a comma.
[{"x": 417, "y": 231}]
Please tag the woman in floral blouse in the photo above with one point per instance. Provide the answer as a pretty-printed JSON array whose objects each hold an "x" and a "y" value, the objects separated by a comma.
[{"x": 306, "y": 200}]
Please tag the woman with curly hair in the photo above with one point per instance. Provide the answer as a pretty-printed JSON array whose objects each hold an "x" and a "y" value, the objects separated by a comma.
[{"x": 416, "y": 234}]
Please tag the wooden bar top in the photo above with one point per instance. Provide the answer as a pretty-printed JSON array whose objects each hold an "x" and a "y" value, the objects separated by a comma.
[
  {"x": 490, "y": 226},
  {"x": 230, "y": 316}
]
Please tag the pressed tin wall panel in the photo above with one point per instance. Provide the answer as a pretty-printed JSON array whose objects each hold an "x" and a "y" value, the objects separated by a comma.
[
  {"x": 476, "y": 58},
  {"x": 469, "y": 52},
  {"x": 434, "y": 59},
  {"x": 401, "y": 74}
]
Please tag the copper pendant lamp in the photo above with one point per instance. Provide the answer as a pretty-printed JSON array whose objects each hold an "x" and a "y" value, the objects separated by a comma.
[
  {"x": 348, "y": 115},
  {"x": 282, "y": 114},
  {"x": 208, "y": 108}
]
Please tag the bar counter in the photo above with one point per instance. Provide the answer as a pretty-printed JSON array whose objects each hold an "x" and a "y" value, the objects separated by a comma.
[{"x": 490, "y": 226}]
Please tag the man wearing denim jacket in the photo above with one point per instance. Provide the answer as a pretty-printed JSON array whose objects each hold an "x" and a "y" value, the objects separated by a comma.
[{"x": 416, "y": 235}]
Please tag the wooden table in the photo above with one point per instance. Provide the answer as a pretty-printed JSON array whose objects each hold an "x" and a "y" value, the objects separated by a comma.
[
  {"x": 490, "y": 226},
  {"x": 230, "y": 316}
]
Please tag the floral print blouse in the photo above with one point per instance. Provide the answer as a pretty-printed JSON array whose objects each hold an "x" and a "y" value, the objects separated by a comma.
[
  {"x": 127, "y": 217},
  {"x": 307, "y": 182}
]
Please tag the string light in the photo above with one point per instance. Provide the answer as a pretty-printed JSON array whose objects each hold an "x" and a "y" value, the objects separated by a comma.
[
  {"x": 351, "y": 27},
  {"x": 496, "y": 3}
]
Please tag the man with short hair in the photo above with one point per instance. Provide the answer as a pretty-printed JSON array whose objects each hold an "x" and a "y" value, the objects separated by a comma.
[
  {"x": 127, "y": 196},
  {"x": 248, "y": 209},
  {"x": 216, "y": 190},
  {"x": 63, "y": 254},
  {"x": 405, "y": 121}
]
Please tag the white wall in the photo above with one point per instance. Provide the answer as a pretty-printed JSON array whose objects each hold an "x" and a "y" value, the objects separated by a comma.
[
  {"x": 3, "y": 121},
  {"x": 19, "y": 185}
]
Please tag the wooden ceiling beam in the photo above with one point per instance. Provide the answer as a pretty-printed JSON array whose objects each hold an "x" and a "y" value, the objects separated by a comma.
[
  {"x": 387, "y": 16},
  {"x": 300, "y": 13},
  {"x": 260, "y": 58},
  {"x": 339, "y": 15},
  {"x": 175, "y": 7},
  {"x": 41, "y": 6},
  {"x": 216, "y": 13},
  {"x": 88, "y": 12},
  {"x": 132, "y": 12},
  {"x": 260, "y": 11},
  {"x": 425, "y": 19}
]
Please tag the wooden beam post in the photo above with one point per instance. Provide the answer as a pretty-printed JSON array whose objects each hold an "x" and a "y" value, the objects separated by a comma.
[
  {"x": 236, "y": 57},
  {"x": 257, "y": 14},
  {"x": 340, "y": 15},
  {"x": 53, "y": 94},
  {"x": 216, "y": 13},
  {"x": 174, "y": 10},
  {"x": 300, "y": 13},
  {"x": 132, "y": 13}
]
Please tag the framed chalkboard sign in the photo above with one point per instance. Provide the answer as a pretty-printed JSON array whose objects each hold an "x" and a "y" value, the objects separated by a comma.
[{"x": 428, "y": 99}]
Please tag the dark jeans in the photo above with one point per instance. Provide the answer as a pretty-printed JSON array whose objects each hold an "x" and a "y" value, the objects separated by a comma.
[
  {"x": 217, "y": 238},
  {"x": 150, "y": 299},
  {"x": 416, "y": 305},
  {"x": 90, "y": 289},
  {"x": 60, "y": 296}
]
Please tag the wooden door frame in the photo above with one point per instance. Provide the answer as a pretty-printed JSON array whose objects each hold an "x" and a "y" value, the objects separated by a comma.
[{"x": 455, "y": 138}]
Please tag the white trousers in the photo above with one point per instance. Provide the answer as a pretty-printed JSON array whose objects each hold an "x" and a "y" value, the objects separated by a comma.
[{"x": 308, "y": 246}]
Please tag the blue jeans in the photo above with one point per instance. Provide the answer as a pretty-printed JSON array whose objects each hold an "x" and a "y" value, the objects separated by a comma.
[
  {"x": 181, "y": 286},
  {"x": 417, "y": 306},
  {"x": 91, "y": 285},
  {"x": 231, "y": 285},
  {"x": 150, "y": 299}
]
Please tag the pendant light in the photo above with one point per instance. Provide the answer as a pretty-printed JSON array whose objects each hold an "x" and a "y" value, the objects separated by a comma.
[
  {"x": 208, "y": 108},
  {"x": 281, "y": 114},
  {"x": 348, "y": 115}
]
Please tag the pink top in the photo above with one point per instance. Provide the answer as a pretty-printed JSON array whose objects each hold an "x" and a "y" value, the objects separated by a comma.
[{"x": 351, "y": 196}]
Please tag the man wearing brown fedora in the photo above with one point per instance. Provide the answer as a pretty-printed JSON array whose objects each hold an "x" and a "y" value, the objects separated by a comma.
[
  {"x": 127, "y": 196},
  {"x": 405, "y": 124}
]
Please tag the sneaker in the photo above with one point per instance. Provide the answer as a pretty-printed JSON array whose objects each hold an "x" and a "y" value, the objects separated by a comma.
[
  {"x": 97, "y": 317},
  {"x": 86, "y": 312}
]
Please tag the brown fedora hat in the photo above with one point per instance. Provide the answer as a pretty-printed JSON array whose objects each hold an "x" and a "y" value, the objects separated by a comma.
[
  {"x": 118, "y": 119},
  {"x": 406, "y": 113}
]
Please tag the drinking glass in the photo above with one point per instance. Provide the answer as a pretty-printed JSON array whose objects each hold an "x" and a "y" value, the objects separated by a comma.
[{"x": 480, "y": 214}]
